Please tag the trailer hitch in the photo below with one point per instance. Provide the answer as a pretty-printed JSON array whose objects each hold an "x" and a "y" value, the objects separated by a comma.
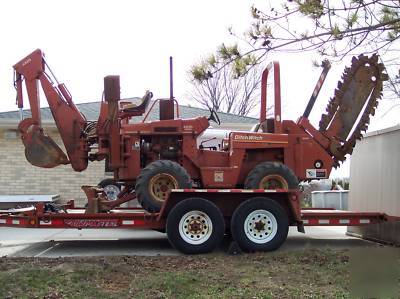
[{"x": 99, "y": 203}]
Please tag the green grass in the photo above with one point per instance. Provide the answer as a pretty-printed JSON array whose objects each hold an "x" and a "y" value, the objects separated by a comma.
[{"x": 299, "y": 274}]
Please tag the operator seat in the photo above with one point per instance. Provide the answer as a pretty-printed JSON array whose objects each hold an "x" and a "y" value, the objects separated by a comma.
[{"x": 136, "y": 110}]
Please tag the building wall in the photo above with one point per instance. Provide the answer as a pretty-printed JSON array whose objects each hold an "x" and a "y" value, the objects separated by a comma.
[
  {"x": 374, "y": 182},
  {"x": 18, "y": 176}
]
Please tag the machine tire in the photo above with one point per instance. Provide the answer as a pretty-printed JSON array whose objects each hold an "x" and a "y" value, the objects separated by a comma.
[
  {"x": 112, "y": 185},
  {"x": 273, "y": 225},
  {"x": 276, "y": 172},
  {"x": 201, "y": 212},
  {"x": 174, "y": 176}
]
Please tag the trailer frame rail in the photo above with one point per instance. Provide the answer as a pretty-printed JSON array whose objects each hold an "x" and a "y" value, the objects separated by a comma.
[{"x": 73, "y": 217}]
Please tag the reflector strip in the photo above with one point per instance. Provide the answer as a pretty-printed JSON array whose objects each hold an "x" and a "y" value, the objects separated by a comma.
[
  {"x": 334, "y": 221},
  {"x": 128, "y": 222},
  {"x": 45, "y": 222},
  {"x": 229, "y": 190},
  {"x": 365, "y": 221}
]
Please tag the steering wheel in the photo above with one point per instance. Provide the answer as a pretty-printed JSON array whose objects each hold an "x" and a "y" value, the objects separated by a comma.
[{"x": 214, "y": 116}]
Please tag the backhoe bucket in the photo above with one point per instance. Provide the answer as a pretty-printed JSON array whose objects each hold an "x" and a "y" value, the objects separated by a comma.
[{"x": 42, "y": 151}]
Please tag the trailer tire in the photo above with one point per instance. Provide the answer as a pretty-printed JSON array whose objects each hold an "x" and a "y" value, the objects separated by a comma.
[
  {"x": 259, "y": 224},
  {"x": 271, "y": 175},
  {"x": 156, "y": 180},
  {"x": 195, "y": 226},
  {"x": 111, "y": 188}
]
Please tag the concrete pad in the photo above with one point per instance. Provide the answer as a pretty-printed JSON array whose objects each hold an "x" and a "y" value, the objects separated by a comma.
[
  {"x": 9, "y": 250},
  {"x": 108, "y": 242},
  {"x": 323, "y": 237},
  {"x": 89, "y": 242}
]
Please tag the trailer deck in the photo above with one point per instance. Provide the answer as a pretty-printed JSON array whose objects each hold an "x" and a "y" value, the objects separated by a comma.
[
  {"x": 139, "y": 218},
  {"x": 78, "y": 218},
  {"x": 38, "y": 216}
]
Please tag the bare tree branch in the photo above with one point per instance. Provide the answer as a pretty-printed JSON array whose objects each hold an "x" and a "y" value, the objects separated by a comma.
[
  {"x": 332, "y": 28},
  {"x": 229, "y": 93}
]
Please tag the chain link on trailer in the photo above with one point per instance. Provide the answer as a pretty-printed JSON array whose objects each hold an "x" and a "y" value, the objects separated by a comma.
[{"x": 360, "y": 88}]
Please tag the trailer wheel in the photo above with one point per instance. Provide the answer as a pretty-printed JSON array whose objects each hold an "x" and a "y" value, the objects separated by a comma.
[
  {"x": 195, "y": 225},
  {"x": 259, "y": 224},
  {"x": 155, "y": 182},
  {"x": 271, "y": 175},
  {"x": 111, "y": 188}
]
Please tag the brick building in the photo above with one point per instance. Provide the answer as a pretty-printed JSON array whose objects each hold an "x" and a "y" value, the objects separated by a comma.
[{"x": 18, "y": 176}]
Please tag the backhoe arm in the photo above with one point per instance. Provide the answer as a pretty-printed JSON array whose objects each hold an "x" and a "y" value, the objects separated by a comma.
[{"x": 40, "y": 149}]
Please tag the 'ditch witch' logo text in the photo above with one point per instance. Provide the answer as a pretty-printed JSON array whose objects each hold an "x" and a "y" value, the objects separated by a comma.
[{"x": 248, "y": 137}]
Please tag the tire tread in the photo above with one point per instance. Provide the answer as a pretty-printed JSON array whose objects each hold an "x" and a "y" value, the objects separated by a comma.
[
  {"x": 265, "y": 168},
  {"x": 255, "y": 203},
  {"x": 152, "y": 169}
]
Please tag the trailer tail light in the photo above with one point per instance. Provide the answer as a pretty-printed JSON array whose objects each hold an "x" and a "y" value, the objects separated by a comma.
[{"x": 32, "y": 222}]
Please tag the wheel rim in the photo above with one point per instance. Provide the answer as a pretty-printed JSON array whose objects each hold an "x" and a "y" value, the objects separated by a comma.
[
  {"x": 260, "y": 226},
  {"x": 195, "y": 227},
  {"x": 273, "y": 181},
  {"x": 111, "y": 191},
  {"x": 161, "y": 185}
]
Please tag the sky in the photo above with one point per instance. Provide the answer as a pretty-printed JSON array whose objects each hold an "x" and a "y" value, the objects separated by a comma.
[{"x": 87, "y": 40}]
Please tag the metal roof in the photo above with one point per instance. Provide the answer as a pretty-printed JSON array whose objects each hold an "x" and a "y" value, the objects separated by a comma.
[
  {"x": 91, "y": 111},
  {"x": 382, "y": 131}
]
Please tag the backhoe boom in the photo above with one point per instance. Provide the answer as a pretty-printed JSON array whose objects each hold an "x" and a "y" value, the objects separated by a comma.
[{"x": 40, "y": 149}]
